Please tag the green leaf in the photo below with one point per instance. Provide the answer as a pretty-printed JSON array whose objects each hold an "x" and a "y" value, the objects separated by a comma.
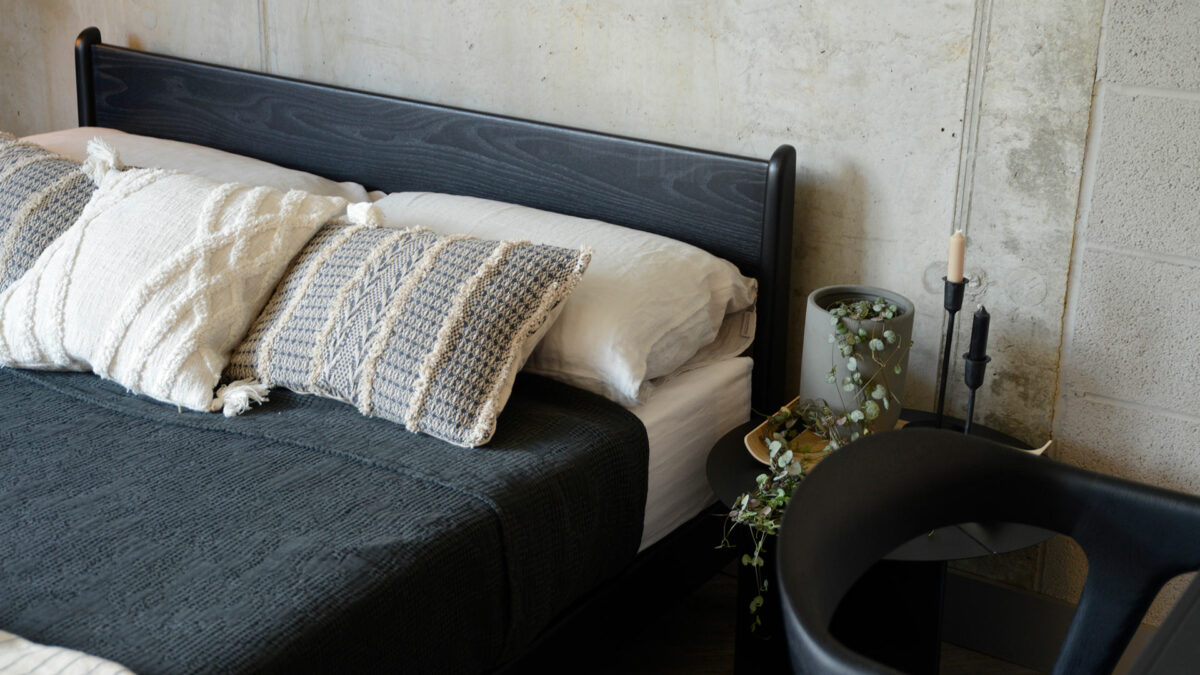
[
  {"x": 897, "y": 370},
  {"x": 876, "y": 345},
  {"x": 852, "y": 364},
  {"x": 879, "y": 392},
  {"x": 862, "y": 332},
  {"x": 871, "y": 410},
  {"x": 890, "y": 336},
  {"x": 856, "y": 416},
  {"x": 756, "y": 603}
]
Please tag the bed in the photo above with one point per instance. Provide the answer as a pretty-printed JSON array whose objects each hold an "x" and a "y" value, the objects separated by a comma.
[{"x": 303, "y": 536}]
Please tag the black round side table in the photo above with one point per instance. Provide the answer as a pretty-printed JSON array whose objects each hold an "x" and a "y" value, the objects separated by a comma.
[{"x": 893, "y": 614}]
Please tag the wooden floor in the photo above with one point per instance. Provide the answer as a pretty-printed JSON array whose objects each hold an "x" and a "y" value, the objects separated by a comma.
[{"x": 696, "y": 637}]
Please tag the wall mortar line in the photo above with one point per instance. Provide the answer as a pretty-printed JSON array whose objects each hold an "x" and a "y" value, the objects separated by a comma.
[
  {"x": 1186, "y": 261},
  {"x": 264, "y": 45},
  {"x": 1140, "y": 407},
  {"x": 1132, "y": 90}
]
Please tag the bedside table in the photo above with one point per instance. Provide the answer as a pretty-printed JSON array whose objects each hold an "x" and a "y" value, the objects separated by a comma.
[{"x": 893, "y": 613}]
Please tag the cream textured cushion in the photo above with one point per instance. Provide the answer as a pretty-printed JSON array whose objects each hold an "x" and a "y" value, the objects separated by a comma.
[
  {"x": 157, "y": 281},
  {"x": 648, "y": 307}
]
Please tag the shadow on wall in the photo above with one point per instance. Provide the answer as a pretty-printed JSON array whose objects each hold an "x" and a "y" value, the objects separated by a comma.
[{"x": 829, "y": 221}]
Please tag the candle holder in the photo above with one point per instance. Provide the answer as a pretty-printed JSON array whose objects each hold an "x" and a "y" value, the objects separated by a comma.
[
  {"x": 973, "y": 374},
  {"x": 952, "y": 300}
]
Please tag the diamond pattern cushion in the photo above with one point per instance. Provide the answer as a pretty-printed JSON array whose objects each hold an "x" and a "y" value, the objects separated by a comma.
[
  {"x": 41, "y": 195},
  {"x": 421, "y": 329}
]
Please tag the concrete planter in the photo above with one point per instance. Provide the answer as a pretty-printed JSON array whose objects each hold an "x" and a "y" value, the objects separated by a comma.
[{"x": 819, "y": 354}]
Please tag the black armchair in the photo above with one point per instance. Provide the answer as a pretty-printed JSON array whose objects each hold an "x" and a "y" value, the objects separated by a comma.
[{"x": 886, "y": 489}]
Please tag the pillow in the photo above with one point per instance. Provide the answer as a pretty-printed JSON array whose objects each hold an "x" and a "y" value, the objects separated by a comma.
[
  {"x": 648, "y": 307},
  {"x": 149, "y": 152},
  {"x": 157, "y": 281},
  {"x": 407, "y": 325},
  {"x": 41, "y": 195}
]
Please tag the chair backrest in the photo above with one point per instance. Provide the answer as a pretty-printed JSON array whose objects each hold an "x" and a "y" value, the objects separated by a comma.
[{"x": 886, "y": 489}]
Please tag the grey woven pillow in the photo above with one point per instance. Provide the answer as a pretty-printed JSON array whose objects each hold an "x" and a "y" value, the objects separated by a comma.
[
  {"x": 41, "y": 195},
  {"x": 415, "y": 327}
]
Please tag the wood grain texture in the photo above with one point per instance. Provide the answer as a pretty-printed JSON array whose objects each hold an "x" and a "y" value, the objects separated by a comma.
[{"x": 737, "y": 208}]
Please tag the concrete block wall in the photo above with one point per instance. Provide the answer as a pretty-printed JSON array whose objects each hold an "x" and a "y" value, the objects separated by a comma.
[{"x": 1129, "y": 377}]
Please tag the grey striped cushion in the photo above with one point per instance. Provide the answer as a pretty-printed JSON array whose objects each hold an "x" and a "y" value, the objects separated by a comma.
[
  {"x": 408, "y": 325},
  {"x": 41, "y": 195}
]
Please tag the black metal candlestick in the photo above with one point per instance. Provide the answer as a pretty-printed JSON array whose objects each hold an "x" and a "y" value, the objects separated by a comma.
[
  {"x": 952, "y": 301},
  {"x": 977, "y": 360}
]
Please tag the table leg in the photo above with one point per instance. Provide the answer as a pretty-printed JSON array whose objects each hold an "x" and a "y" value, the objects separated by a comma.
[{"x": 893, "y": 615}]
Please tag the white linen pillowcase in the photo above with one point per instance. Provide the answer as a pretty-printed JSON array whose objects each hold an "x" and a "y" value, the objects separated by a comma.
[
  {"x": 158, "y": 280},
  {"x": 649, "y": 306},
  {"x": 198, "y": 160}
]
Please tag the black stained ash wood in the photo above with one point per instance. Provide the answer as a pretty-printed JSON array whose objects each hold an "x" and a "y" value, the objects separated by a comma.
[{"x": 735, "y": 207}]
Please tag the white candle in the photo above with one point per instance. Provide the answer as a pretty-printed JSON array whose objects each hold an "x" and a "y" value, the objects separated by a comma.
[{"x": 954, "y": 268}]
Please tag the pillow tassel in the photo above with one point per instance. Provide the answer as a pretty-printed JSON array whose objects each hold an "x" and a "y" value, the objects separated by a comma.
[
  {"x": 102, "y": 158},
  {"x": 235, "y": 398},
  {"x": 365, "y": 214}
]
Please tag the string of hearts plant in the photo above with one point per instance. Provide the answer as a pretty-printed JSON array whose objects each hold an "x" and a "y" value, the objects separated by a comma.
[{"x": 761, "y": 510}]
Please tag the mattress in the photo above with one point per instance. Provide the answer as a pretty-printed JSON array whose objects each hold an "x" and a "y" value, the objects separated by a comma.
[{"x": 684, "y": 417}]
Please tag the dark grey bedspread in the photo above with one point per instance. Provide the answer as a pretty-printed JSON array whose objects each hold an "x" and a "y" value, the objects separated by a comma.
[{"x": 302, "y": 536}]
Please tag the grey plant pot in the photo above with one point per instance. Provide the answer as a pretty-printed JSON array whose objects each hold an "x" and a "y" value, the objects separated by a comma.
[{"x": 819, "y": 354}]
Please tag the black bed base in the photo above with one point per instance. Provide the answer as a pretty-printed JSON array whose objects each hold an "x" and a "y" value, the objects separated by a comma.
[{"x": 616, "y": 611}]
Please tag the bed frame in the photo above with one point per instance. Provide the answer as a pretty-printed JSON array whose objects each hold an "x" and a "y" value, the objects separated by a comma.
[{"x": 735, "y": 207}]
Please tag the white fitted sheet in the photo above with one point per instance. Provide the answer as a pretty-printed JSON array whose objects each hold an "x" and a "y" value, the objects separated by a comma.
[{"x": 684, "y": 417}]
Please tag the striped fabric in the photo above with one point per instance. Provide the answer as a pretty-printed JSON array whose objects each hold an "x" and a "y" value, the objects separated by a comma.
[
  {"x": 417, "y": 328},
  {"x": 22, "y": 657},
  {"x": 41, "y": 195}
]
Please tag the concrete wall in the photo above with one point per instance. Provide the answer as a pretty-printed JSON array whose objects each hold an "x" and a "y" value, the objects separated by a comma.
[
  {"x": 910, "y": 119},
  {"x": 1129, "y": 378}
]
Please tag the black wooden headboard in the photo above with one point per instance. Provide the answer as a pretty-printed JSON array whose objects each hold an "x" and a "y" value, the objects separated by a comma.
[{"x": 735, "y": 207}]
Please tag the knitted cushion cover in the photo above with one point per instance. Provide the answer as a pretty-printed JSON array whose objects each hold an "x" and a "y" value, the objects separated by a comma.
[
  {"x": 418, "y": 328},
  {"x": 157, "y": 281},
  {"x": 41, "y": 195}
]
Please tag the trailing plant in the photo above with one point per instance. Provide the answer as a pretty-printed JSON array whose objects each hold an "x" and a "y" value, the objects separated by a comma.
[
  {"x": 864, "y": 398},
  {"x": 761, "y": 509}
]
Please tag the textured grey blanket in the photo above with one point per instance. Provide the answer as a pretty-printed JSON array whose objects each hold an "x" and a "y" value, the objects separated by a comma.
[{"x": 303, "y": 536}]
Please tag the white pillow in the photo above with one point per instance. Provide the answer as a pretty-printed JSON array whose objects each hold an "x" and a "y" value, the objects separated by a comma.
[
  {"x": 225, "y": 167},
  {"x": 648, "y": 306},
  {"x": 157, "y": 281}
]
